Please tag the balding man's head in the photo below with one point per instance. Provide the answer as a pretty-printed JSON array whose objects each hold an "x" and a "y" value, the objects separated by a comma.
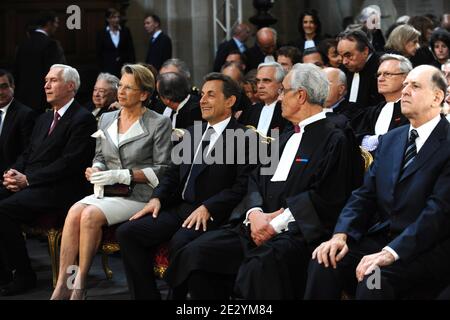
[
  {"x": 267, "y": 40},
  {"x": 338, "y": 86},
  {"x": 241, "y": 31},
  {"x": 423, "y": 94}
]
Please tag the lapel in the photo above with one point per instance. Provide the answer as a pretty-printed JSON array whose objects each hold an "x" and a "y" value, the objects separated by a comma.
[
  {"x": 194, "y": 141},
  {"x": 137, "y": 134},
  {"x": 398, "y": 150},
  {"x": 428, "y": 149},
  {"x": 9, "y": 119},
  {"x": 398, "y": 119}
]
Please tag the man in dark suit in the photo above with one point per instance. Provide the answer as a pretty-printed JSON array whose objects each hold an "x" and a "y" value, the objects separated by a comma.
[
  {"x": 174, "y": 92},
  {"x": 396, "y": 224},
  {"x": 361, "y": 65},
  {"x": 160, "y": 46},
  {"x": 266, "y": 116},
  {"x": 47, "y": 177},
  {"x": 264, "y": 48},
  {"x": 194, "y": 196},
  {"x": 240, "y": 34},
  {"x": 369, "y": 123},
  {"x": 16, "y": 123},
  {"x": 336, "y": 101},
  {"x": 287, "y": 211},
  {"x": 33, "y": 60}
]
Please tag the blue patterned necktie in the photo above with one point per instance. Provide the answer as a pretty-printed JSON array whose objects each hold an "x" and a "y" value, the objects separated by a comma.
[{"x": 411, "y": 149}]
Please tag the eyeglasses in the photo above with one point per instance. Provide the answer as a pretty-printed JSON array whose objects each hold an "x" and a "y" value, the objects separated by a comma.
[
  {"x": 4, "y": 86},
  {"x": 388, "y": 74},
  {"x": 284, "y": 91},
  {"x": 126, "y": 88}
]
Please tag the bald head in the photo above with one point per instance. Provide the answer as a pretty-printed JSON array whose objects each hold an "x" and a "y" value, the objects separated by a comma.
[
  {"x": 338, "y": 86},
  {"x": 267, "y": 40}
]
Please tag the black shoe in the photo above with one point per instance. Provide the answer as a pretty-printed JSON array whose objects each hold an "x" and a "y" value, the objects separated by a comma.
[{"x": 19, "y": 285}]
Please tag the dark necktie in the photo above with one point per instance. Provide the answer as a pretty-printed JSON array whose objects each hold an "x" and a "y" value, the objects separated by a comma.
[
  {"x": 189, "y": 189},
  {"x": 411, "y": 149},
  {"x": 56, "y": 118},
  {"x": 296, "y": 128},
  {"x": 1, "y": 113}
]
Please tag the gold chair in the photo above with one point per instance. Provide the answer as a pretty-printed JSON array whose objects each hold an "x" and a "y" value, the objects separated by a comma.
[
  {"x": 368, "y": 158},
  {"x": 264, "y": 139}
]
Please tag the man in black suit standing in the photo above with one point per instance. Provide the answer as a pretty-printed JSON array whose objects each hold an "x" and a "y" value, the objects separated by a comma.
[
  {"x": 47, "y": 177},
  {"x": 266, "y": 116},
  {"x": 174, "y": 92},
  {"x": 194, "y": 196},
  {"x": 361, "y": 65},
  {"x": 16, "y": 123},
  {"x": 240, "y": 33},
  {"x": 160, "y": 46},
  {"x": 33, "y": 60},
  {"x": 264, "y": 48},
  {"x": 393, "y": 235}
]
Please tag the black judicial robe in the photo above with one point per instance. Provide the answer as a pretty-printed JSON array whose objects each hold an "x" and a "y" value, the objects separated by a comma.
[
  {"x": 365, "y": 121},
  {"x": 251, "y": 115},
  {"x": 315, "y": 191}
]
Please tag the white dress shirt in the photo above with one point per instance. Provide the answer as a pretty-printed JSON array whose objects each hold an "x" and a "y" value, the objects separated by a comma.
[
  {"x": 354, "y": 89},
  {"x": 265, "y": 118},
  {"x": 155, "y": 35},
  {"x": 280, "y": 223},
  {"x": 4, "y": 110},
  {"x": 424, "y": 132},
  {"x": 62, "y": 110},
  {"x": 115, "y": 36},
  {"x": 218, "y": 129}
]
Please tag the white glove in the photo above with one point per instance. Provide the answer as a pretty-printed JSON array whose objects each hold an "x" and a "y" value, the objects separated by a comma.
[
  {"x": 111, "y": 177},
  {"x": 99, "y": 191}
]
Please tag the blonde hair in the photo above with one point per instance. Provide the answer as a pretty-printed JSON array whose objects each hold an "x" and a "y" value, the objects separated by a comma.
[
  {"x": 400, "y": 36},
  {"x": 143, "y": 77}
]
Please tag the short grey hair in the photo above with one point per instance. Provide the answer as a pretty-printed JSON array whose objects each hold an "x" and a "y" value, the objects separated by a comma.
[
  {"x": 342, "y": 77},
  {"x": 279, "y": 70},
  {"x": 313, "y": 80},
  {"x": 69, "y": 74},
  {"x": 405, "y": 64},
  {"x": 110, "y": 79},
  {"x": 180, "y": 65}
]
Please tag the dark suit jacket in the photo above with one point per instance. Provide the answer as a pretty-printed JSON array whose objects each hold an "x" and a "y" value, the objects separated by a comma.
[
  {"x": 251, "y": 116},
  {"x": 368, "y": 90},
  {"x": 254, "y": 57},
  {"x": 159, "y": 51},
  {"x": 412, "y": 209},
  {"x": 15, "y": 134},
  {"x": 219, "y": 187},
  {"x": 224, "y": 49},
  {"x": 364, "y": 123},
  {"x": 188, "y": 114},
  {"x": 57, "y": 161},
  {"x": 111, "y": 59},
  {"x": 300, "y": 43},
  {"x": 34, "y": 58}
]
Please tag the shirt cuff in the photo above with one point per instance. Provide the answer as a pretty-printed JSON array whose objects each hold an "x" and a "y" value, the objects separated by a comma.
[
  {"x": 280, "y": 222},
  {"x": 246, "y": 221},
  {"x": 391, "y": 251},
  {"x": 370, "y": 143},
  {"x": 153, "y": 180}
]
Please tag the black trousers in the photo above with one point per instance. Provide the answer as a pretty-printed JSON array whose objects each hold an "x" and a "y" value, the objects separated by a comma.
[
  {"x": 139, "y": 239},
  {"x": 399, "y": 280},
  {"x": 16, "y": 209}
]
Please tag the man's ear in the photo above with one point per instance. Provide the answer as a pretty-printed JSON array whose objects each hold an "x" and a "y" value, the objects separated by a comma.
[
  {"x": 439, "y": 97},
  {"x": 229, "y": 103}
]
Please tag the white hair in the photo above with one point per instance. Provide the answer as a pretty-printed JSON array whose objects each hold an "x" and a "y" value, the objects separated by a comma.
[
  {"x": 69, "y": 74},
  {"x": 313, "y": 80},
  {"x": 279, "y": 70}
]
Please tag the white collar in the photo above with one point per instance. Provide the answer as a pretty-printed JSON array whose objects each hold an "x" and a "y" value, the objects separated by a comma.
[
  {"x": 314, "y": 118},
  {"x": 5, "y": 108},
  {"x": 156, "y": 34},
  {"x": 272, "y": 105},
  {"x": 63, "y": 110},
  {"x": 41, "y": 31},
  {"x": 109, "y": 29},
  {"x": 220, "y": 126},
  {"x": 425, "y": 130},
  {"x": 182, "y": 103}
]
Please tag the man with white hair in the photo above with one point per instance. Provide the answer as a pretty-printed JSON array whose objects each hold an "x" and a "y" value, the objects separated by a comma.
[
  {"x": 47, "y": 177},
  {"x": 286, "y": 214}
]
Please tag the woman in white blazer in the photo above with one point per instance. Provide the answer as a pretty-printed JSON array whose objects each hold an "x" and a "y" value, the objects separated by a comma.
[{"x": 133, "y": 150}]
